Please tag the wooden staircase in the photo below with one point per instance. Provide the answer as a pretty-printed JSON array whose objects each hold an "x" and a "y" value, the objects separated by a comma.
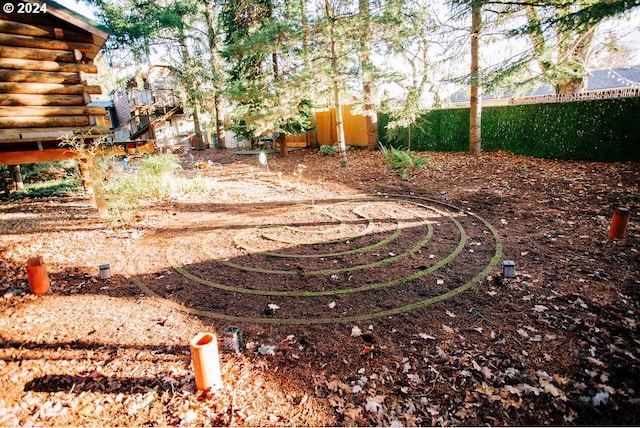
[{"x": 142, "y": 122}]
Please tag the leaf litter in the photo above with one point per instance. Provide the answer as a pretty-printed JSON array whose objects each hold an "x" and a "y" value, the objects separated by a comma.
[{"x": 557, "y": 344}]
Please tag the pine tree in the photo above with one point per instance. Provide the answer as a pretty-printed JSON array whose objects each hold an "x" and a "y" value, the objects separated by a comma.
[
  {"x": 267, "y": 86},
  {"x": 368, "y": 77},
  {"x": 561, "y": 35},
  {"x": 211, "y": 12},
  {"x": 141, "y": 27},
  {"x": 409, "y": 34}
]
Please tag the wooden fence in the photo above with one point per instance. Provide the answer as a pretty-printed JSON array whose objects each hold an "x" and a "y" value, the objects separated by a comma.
[{"x": 325, "y": 133}]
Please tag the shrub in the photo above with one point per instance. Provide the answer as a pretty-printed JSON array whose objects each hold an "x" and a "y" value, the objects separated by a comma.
[
  {"x": 124, "y": 193},
  {"x": 326, "y": 149},
  {"x": 60, "y": 187},
  {"x": 155, "y": 180},
  {"x": 403, "y": 161},
  {"x": 46, "y": 179},
  {"x": 159, "y": 164}
]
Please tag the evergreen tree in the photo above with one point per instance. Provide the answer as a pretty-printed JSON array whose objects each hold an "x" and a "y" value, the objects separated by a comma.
[
  {"x": 211, "y": 13},
  {"x": 267, "y": 84},
  {"x": 561, "y": 53},
  {"x": 475, "y": 78},
  {"x": 410, "y": 33},
  {"x": 578, "y": 16},
  {"x": 174, "y": 28},
  {"x": 368, "y": 77},
  {"x": 560, "y": 34}
]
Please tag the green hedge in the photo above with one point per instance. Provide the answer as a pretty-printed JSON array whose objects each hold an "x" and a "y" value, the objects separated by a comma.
[
  {"x": 598, "y": 130},
  {"x": 435, "y": 130}
]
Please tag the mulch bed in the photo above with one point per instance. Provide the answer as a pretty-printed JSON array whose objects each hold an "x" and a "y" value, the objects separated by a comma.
[{"x": 337, "y": 278}]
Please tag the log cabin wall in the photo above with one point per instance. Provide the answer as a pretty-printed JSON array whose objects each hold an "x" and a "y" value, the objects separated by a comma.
[{"x": 45, "y": 57}]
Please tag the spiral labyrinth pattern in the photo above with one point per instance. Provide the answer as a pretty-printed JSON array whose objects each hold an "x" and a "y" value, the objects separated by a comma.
[{"x": 321, "y": 262}]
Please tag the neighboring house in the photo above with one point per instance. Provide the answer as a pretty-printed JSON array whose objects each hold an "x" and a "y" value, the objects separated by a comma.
[
  {"x": 607, "y": 83},
  {"x": 109, "y": 119},
  {"x": 45, "y": 57},
  {"x": 149, "y": 108}
]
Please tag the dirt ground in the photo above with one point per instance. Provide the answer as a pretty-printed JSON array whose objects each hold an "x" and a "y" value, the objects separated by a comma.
[{"x": 362, "y": 299}]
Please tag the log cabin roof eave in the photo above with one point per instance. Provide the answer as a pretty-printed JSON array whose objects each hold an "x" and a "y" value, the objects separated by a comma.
[{"x": 80, "y": 21}]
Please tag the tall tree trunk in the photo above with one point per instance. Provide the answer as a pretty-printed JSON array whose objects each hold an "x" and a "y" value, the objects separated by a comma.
[
  {"x": 211, "y": 16},
  {"x": 537, "y": 37},
  {"x": 220, "y": 134},
  {"x": 282, "y": 142},
  {"x": 575, "y": 54},
  {"x": 371, "y": 117},
  {"x": 187, "y": 81},
  {"x": 198, "y": 129},
  {"x": 312, "y": 135},
  {"x": 276, "y": 66},
  {"x": 342, "y": 148},
  {"x": 569, "y": 86},
  {"x": 475, "y": 119},
  {"x": 282, "y": 137},
  {"x": 305, "y": 34}
]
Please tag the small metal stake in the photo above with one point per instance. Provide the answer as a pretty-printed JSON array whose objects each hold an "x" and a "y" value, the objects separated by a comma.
[
  {"x": 232, "y": 340},
  {"x": 508, "y": 268},
  {"x": 443, "y": 196},
  {"x": 105, "y": 271}
]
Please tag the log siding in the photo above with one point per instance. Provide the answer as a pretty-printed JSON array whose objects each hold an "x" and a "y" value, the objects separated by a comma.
[{"x": 44, "y": 94}]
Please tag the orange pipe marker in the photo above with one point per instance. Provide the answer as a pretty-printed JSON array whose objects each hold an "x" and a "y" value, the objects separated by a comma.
[
  {"x": 206, "y": 364},
  {"x": 38, "y": 277},
  {"x": 618, "y": 223}
]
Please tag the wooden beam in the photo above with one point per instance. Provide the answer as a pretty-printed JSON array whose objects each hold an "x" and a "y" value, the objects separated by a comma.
[
  {"x": 47, "y": 89},
  {"x": 36, "y": 156},
  {"x": 17, "y": 135},
  {"x": 44, "y": 122},
  {"x": 41, "y": 100},
  {"x": 44, "y": 43},
  {"x": 17, "y": 111},
  {"x": 27, "y": 64},
  {"x": 40, "y": 54},
  {"x": 50, "y": 155},
  {"x": 23, "y": 29},
  {"x": 39, "y": 77}
]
